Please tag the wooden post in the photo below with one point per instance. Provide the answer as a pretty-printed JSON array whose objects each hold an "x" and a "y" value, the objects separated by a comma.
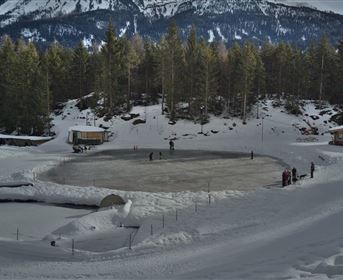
[
  {"x": 72, "y": 247},
  {"x": 17, "y": 233},
  {"x": 209, "y": 199},
  {"x": 130, "y": 241},
  {"x": 151, "y": 230}
]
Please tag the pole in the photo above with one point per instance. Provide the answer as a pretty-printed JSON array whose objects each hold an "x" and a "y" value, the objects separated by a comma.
[
  {"x": 209, "y": 199},
  {"x": 262, "y": 129},
  {"x": 176, "y": 215},
  {"x": 17, "y": 233},
  {"x": 130, "y": 241},
  {"x": 72, "y": 247},
  {"x": 321, "y": 83},
  {"x": 151, "y": 230},
  {"x": 163, "y": 221},
  {"x": 48, "y": 99}
]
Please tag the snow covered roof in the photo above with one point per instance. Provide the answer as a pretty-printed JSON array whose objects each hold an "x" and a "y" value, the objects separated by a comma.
[
  {"x": 32, "y": 138},
  {"x": 337, "y": 128},
  {"x": 86, "y": 128}
]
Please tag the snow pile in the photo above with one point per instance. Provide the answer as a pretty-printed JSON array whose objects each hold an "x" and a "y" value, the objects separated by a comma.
[{"x": 102, "y": 221}]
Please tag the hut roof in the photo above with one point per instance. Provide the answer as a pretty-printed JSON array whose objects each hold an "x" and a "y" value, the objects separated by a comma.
[
  {"x": 85, "y": 128},
  {"x": 337, "y": 128},
  {"x": 111, "y": 200}
]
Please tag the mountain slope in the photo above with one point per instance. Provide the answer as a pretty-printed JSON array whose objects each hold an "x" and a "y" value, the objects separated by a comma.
[{"x": 231, "y": 20}]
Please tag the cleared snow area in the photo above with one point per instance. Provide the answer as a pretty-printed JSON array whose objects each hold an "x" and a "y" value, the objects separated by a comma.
[
  {"x": 43, "y": 219},
  {"x": 267, "y": 233}
]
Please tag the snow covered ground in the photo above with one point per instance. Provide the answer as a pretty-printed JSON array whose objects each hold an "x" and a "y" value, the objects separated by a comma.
[{"x": 275, "y": 233}]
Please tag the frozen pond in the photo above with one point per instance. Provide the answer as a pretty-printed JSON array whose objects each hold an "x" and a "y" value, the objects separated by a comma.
[
  {"x": 34, "y": 220},
  {"x": 177, "y": 171}
]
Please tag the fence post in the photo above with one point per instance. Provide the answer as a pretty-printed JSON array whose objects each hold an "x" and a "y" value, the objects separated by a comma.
[
  {"x": 151, "y": 230},
  {"x": 72, "y": 247},
  {"x": 163, "y": 221},
  {"x": 130, "y": 241},
  {"x": 17, "y": 233},
  {"x": 209, "y": 199}
]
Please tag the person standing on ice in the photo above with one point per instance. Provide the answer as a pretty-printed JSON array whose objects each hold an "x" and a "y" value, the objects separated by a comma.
[
  {"x": 171, "y": 145},
  {"x": 150, "y": 156},
  {"x": 284, "y": 178},
  {"x": 312, "y": 169},
  {"x": 294, "y": 175},
  {"x": 289, "y": 177}
]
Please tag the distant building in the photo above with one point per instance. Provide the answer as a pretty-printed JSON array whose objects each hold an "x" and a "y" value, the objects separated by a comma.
[
  {"x": 87, "y": 135},
  {"x": 337, "y": 133},
  {"x": 22, "y": 141}
]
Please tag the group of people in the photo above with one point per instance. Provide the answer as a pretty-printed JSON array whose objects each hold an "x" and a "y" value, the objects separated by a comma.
[
  {"x": 151, "y": 156},
  {"x": 289, "y": 177},
  {"x": 171, "y": 147}
]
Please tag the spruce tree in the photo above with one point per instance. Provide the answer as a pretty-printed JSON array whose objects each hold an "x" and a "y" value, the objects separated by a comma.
[
  {"x": 78, "y": 72},
  {"x": 174, "y": 64}
]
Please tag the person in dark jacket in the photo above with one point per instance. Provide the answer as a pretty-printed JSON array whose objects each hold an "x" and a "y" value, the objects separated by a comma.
[
  {"x": 289, "y": 177},
  {"x": 150, "y": 156},
  {"x": 171, "y": 145},
  {"x": 284, "y": 178},
  {"x": 312, "y": 169},
  {"x": 294, "y": 175}
]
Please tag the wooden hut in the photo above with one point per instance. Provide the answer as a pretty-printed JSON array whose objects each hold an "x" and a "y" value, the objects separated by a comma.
[
  {"x": 337, "y": 133},
  {"x": 87, "y": 135}
]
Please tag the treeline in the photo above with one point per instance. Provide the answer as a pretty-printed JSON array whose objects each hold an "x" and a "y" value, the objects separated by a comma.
[{"x": 193, "y": 78}]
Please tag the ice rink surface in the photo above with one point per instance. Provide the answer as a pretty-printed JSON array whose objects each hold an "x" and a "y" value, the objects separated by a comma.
[{"x": 179, "y": 170}]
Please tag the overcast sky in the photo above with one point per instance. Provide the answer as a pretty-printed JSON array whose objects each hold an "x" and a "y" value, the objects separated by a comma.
[{"x": 331, "y": 5}]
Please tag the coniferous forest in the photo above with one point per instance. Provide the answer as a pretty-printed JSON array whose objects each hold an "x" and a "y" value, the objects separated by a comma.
[{"x": 192, "y": 78}]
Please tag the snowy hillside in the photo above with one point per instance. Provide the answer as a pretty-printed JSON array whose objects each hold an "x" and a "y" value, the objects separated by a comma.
[
  {"x": 268, "y": 233},
  {"x": 231, "y": 20}
]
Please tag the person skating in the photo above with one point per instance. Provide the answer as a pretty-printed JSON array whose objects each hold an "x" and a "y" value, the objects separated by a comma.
[{"x": 312, "y": 169}]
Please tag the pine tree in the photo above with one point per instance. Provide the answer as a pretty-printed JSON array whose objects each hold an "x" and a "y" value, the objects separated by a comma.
[
  {"x": 246, "y": 70},
  {"x": 191, "y": 54},
  {"x": 339, "y": 75},
  {"x": 207, "y": 77},
  {"x": 111, "y": 71},
  {"x": 58, "y": 62},
  {"x": 78, "y": 72},
  {"x": 174, "y": 67},
  {"x": 29, "y": 90},
  {"x": 131, "y": 60},
  {"x": 8, "y": 108}
]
